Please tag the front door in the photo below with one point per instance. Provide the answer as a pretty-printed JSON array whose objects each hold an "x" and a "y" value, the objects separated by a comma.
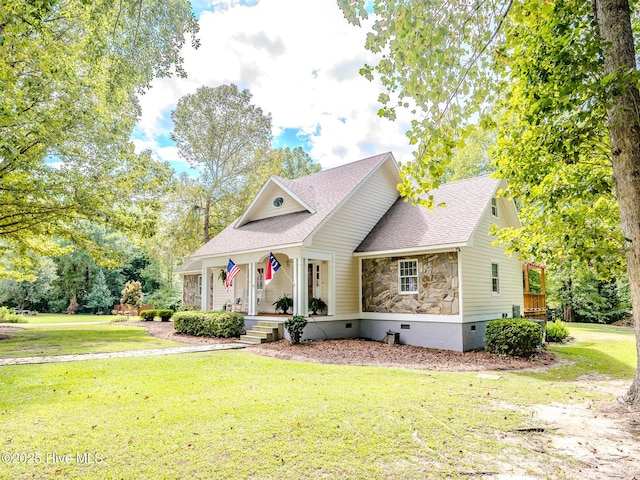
[{"x": 313, "y": 280}]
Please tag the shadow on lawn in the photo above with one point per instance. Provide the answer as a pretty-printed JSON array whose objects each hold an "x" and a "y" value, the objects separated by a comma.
[{"x": 579, "y": 360}]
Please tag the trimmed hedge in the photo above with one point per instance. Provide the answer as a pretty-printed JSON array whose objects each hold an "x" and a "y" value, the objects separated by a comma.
[
  {"x": 209, "y": 324},
  {"x": 515, "y": 337},
  {"x": 150, "y": 315}
]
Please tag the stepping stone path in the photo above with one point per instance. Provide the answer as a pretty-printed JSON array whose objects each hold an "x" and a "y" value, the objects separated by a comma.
[{"x": 125, "y": 354}]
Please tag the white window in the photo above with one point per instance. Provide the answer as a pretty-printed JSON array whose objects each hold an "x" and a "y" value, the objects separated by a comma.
[
  {"x": 260, "y": 279},
  {"x": 495, "y": 278},
  {"x": 199, "y": 286},
  {"x": 408, "y": 276},
  {"x": 494, "y": 207}
]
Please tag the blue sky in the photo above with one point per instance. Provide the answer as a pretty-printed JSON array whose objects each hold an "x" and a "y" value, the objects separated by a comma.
[{"x": 300, "y": 60}]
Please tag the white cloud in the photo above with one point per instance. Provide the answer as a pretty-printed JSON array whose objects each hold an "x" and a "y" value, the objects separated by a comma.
[{"x": 300, "y": 60}]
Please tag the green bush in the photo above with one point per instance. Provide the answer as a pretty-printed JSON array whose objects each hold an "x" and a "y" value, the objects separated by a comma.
[
  {"x": 229, "y": 324},
  {"x": 556, "y": 331},
  {"x": 516, "y": 337},
  {"x": 9, "y": 316},
  {"x": 165, "y": 315},
  {"x": 209, "y": 324},
  {"x": 148, "y": 315},
  {"x": 295, "y": 325}
]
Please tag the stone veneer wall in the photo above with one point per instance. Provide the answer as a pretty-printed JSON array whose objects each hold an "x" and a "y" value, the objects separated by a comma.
[
  {"x": 190, "y": 291},
  {"x": 438, "y": 291}
]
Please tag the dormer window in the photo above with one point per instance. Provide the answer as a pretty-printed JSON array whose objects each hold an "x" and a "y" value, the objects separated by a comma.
[{"x": 278, "y": 202}]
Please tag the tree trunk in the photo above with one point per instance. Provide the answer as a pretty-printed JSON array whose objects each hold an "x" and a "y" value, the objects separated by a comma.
[
  {"x": 614, "y": 25},
  {"x": 207, "y": 226}
]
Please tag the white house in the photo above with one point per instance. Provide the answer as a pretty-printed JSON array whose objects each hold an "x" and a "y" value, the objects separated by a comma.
[{"x": 379, "y": 263}]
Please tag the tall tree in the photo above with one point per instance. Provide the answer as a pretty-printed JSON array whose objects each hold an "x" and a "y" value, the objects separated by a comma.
[
  {"x": 222, "y": 134},
  {"x": 454, "y": 59},
  {"x": 292, "y": 163},
  {"x": 28, "y": 294},
  {"x": 100, "y": 296},
  {"x": 70, "y": 73}
]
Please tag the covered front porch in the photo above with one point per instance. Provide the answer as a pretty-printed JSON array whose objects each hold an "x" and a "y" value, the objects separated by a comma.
[{"x": 302, "y": 275}]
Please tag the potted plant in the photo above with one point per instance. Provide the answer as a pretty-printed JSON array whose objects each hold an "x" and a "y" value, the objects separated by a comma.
[
  {"x": 283, "y": 303},
  {"x": 317, "y": 305}
]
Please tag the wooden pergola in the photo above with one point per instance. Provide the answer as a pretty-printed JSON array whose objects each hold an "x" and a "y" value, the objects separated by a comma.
[{"x": 535, "y": 303}]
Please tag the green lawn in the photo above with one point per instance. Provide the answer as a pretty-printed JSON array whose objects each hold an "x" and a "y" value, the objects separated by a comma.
[
  {"x": 234, "y": 415},
  {"x": 599, "y": 349},
  {"x": 69, "y": 339},
  {"x": 63, "y": 318}
]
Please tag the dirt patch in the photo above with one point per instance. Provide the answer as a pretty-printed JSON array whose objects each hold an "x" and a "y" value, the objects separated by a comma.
[{"x": 7, "y": 332}]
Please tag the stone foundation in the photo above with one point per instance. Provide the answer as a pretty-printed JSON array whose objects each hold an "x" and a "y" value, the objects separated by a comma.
[
  {"x": 438, "y": 292},
  {"x": 190, "y": 291}
]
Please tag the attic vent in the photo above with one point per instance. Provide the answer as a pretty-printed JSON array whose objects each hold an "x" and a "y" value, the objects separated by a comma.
[{"x": 278, "y": 202}]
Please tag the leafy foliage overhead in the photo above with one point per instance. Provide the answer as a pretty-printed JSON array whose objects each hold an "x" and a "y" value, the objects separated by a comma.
[{"x": 70, "y": 71}]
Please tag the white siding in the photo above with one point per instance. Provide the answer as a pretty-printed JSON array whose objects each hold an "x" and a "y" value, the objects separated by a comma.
[
  {"x": 266, "y": 209},
  {"x": 478, "y": 301},
  {"x": 347, "y": 228}
]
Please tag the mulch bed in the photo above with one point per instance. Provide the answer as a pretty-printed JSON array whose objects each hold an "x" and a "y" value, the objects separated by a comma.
[{"x": 367, "y": 352}]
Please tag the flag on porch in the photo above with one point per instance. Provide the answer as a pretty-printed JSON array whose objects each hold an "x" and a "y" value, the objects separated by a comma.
[
  {"x": 232, "y": 271},
  {"x": 272, "y": 267}
]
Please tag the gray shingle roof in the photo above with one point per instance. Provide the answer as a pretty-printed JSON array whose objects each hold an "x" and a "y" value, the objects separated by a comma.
[
  {"x": 406, "y": 225},
  {"x": 324, "y": 191},
  {"x": 190, "y": 265}
]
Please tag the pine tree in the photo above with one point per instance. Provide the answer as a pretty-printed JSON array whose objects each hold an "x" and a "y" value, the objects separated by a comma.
[{"x": 100, "y": 296}]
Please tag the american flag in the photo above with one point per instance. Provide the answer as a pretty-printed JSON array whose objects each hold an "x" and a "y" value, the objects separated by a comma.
[{"x": 232, "y": 271}]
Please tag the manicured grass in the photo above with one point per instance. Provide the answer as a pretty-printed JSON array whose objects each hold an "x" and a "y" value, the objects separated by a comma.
[
  {"x": 237, "y": 415},
  {"x": 597, "y": 349},
  {"x": 63, "y": 318},
  {"x": 70, "y": 339}
]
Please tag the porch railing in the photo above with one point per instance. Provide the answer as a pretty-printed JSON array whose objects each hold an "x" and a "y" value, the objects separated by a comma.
[{"x": 535, "y": 305}]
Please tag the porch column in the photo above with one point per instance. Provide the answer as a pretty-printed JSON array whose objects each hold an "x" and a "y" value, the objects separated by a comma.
[
  {"x": 204, "y": 300},
  {"x": 300, "y": 286},
  {"x": 251, "y": 297}
]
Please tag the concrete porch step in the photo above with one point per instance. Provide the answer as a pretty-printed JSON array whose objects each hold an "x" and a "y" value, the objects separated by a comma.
[
  {"x": 251, "y": 339},
  {"x": 263, "y": 332}
]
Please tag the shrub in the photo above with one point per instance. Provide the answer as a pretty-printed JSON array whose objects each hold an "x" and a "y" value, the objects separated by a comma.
[
  {"x": 73, "y": 306},
  {"x": 165, "y": 315},
  {"x": 209, "y": 324},
  {"x": 516, "y": 337},
  {"x": 148, "y": 315},
  {"x": 556, "y": 331},
  {"x": 229, "y": 324},
  {"x": 295, "y": 325},
  {"x": 132, "y": 294},
  {"x": 9, "y": 316}
]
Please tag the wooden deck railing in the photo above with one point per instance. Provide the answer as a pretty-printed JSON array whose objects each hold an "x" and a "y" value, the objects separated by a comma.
[{"x": 535, "y": 305}]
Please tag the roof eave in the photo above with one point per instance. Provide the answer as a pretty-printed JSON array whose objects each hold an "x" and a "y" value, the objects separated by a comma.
[
  {"x": 272, "y": 179},
  {"x": 445, "y": 247},
  {"x": 251, "y": 250}
]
